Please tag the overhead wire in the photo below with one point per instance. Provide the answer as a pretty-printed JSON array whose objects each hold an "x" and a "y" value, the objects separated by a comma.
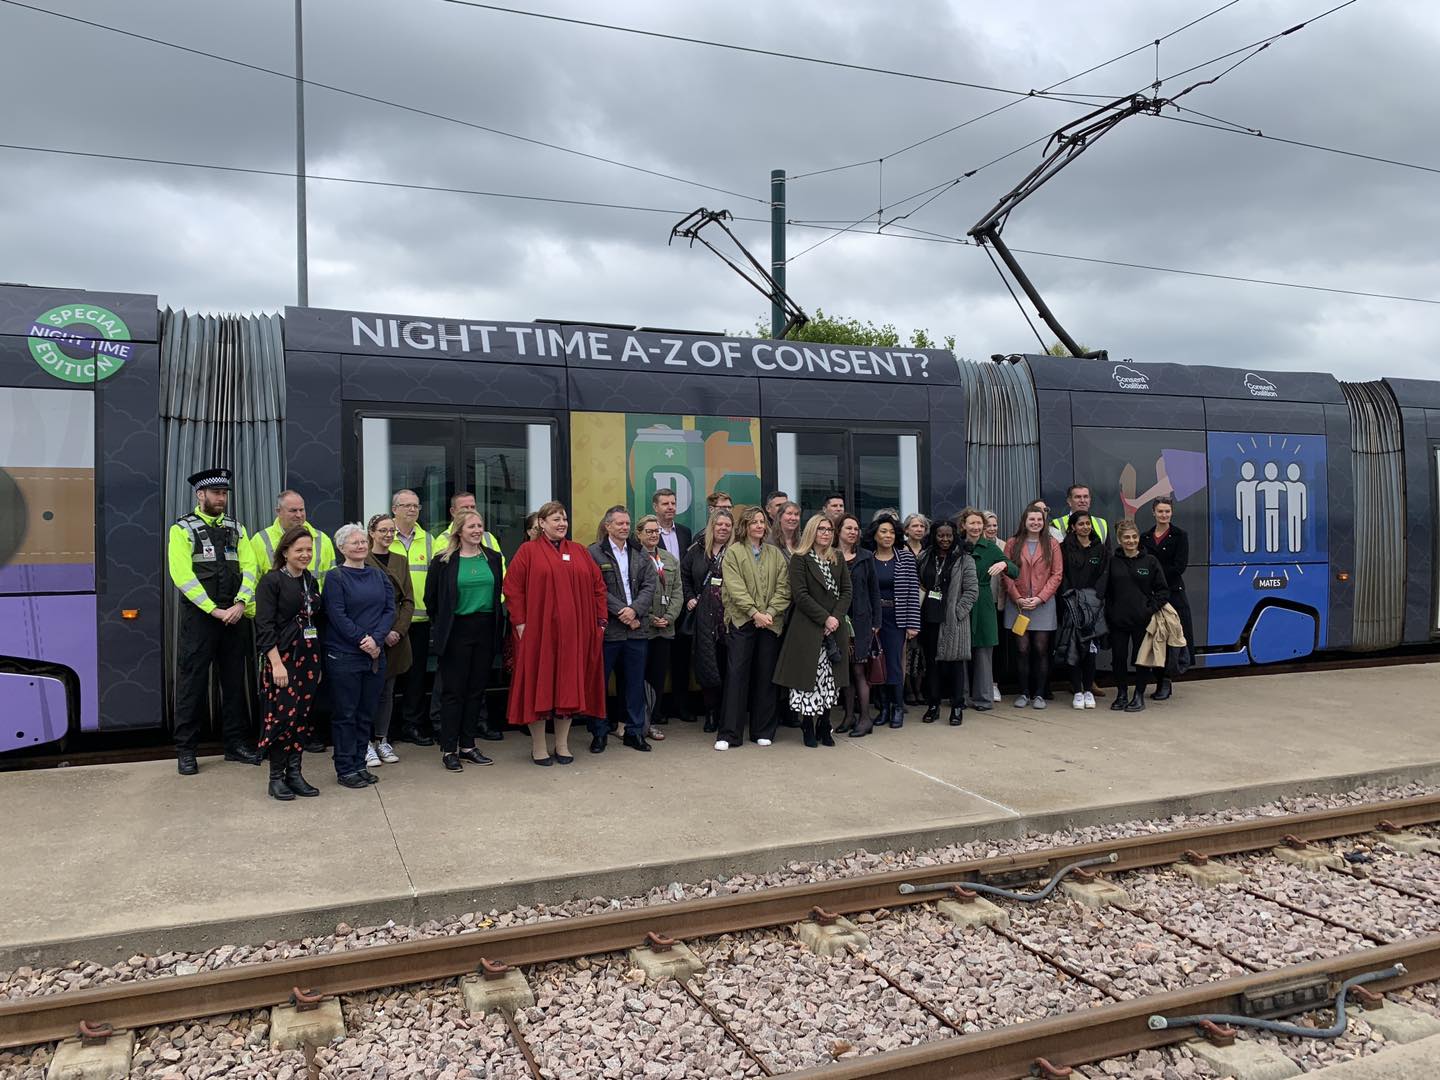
[
  {"x": 1045, "y": 93},
  {"x": 922, "y": 234},
  {"x": 377, "y": 100}
]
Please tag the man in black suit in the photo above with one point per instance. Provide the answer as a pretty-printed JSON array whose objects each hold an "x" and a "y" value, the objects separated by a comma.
[
  {"x": 676, "y": 539},
  {"x": 631, "y": 582}
]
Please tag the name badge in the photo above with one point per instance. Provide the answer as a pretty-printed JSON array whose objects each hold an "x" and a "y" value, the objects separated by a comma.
[
  {"x": 565, "y": 558},
  {"x": 717, "y": 581},
  {"x": 310, "y": 633},
  {"x": 935, "y": 594},
  {"x": 207, "y": 549}
]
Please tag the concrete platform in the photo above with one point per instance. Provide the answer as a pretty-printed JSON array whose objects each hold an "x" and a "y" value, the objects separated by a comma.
[{"x": 106, "y": 861}]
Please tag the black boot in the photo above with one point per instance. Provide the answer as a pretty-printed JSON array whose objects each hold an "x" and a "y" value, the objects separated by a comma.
[
  {"x": 807, "y": 731},
  {"x": 294, "y": 781},
  {"x": 278, "y": 788},
  {"x": 1162, "y": 691},
  {"x": 932, "y": 713},
  {"x": 1120, "y": 700},
  {"x": 822, "y": 730},
  {"x": 712, "y": 725},
  {"x": 1137, "y": 703},
  {"x": 897, "y": 716},
  {"x": 957, "y": 716}
]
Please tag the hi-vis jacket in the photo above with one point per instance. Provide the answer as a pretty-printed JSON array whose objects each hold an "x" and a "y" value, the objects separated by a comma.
[
  {"x": 211, "y": 561},
  {"x": 264, "y": 543},
  {"x": 421, "y": 551}
]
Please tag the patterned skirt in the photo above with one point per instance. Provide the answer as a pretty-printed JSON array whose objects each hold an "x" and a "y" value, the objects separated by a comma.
[
  {"x": 822, "y": 699},
  {"x": 287, "y": 709}
]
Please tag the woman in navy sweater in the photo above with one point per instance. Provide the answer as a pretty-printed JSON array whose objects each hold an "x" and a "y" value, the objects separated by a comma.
[{"x": 359, "y": 612}]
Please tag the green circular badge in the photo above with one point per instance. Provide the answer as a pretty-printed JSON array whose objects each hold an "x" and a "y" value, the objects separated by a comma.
[{"x": 80, "y": 343}]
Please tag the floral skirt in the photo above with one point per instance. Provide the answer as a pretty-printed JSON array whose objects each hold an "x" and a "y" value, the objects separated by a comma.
[
  {"x": 822, "y": 699},
  {"x": 286, "y": 709}
]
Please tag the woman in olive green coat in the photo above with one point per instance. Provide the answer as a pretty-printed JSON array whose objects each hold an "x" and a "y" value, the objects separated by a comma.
[
  {"x": 990, "y": 563},
  {"x": 815, "y": 656}
]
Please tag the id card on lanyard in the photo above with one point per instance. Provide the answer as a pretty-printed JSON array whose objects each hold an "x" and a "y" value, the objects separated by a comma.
[{"x": 306, "y": 618}]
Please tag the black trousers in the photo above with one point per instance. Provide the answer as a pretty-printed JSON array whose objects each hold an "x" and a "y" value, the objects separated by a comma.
[
  {"x": 750, "y": 685},
  {"x": 1082, "y": 674},
  {"x": 1124, "y": 646},
  {"x": 943, "y": 678},
  {"x": 410, "y": 693},
  {"x": 679, "y": 700},
  {"x": 205, "y": 640},
  {"x": 659, "y": 662},
  {"x": 464, "y": 676},
  {"x": 1181, "y": 603}
]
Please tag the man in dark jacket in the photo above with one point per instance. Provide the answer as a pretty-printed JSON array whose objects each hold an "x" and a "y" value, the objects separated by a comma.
[
  {"x": 630, "y": 583},
  {"x": 676, "y": 539}
]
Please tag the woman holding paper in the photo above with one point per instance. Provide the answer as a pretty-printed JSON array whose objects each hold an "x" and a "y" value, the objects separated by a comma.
[{"x": 1030, "y": 604}]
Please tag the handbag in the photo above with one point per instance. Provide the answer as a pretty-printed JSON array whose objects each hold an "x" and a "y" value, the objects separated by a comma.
[
  {"x": 875, "y": 668},
  {"x": 1022, "y": 623}
]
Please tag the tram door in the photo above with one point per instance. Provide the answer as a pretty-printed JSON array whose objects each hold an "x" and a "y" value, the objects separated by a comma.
[
  {"x": 508, "y": 463},
  {"x": 874, "y": 468}
]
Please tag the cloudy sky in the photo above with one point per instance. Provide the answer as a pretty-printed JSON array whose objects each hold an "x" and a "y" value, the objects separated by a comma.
[{"x": 1154, "y": 191}]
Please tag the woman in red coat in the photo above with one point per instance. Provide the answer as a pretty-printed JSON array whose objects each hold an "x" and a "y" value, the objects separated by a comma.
[{"x": 556, "y": 599}]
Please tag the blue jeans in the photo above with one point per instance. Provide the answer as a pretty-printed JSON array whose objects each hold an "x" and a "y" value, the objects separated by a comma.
[
  {"x": 354, "y": 695},
  {"x": 631, "y": 654}
]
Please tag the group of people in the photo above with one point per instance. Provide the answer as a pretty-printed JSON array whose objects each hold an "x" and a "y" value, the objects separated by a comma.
[{"x": 825, "y": 624}]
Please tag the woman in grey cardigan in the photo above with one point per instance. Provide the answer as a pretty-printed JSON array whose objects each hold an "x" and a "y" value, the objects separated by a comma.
[
  {"x": 664, "y": 612},
  {"x": 952, "y": 651}
]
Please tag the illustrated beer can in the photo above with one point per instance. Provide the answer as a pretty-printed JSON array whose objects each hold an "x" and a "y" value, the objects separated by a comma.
[{"x": 661, "y": 457}]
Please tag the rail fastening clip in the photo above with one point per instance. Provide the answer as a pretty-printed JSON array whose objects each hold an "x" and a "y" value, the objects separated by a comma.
[
  {"x": 659, "y": 942},
  {"x": 493, "y": 969},
  {"x": 1046, "y": 1071},
  {"x": 94, "y": 1034},
  {"x": 305, "y": 1000}
]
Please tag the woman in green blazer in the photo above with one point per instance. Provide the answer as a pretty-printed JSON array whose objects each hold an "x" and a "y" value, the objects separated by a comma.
[
  {"x": 990, "y": 563},
  {"x": 814, "y": 658}
]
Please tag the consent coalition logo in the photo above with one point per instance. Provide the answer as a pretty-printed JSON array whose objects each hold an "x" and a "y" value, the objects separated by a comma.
[
  {"x": 1128, "y": 378},
  {"x": 80, "y": 343},
  {"x": 1259, "y": 386}
]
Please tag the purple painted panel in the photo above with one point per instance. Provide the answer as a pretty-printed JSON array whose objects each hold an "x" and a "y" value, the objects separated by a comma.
[
  {"x": 47, "y": 577},
  {"x": 32, "y": 710},
  {"x": 56, "y": 630}
]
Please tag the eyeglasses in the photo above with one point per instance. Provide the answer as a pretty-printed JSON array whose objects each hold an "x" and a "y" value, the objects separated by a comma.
[
  {"x": 385, "y": 532},
  {"x": 407, "y": 506}
]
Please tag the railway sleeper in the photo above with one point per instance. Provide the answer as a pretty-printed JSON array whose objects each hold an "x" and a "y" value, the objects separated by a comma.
[{"x": 97, "y": 1053}]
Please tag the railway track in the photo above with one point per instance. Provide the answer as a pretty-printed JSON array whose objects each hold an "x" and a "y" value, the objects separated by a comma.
[{"x": 1109, "y": 1017}]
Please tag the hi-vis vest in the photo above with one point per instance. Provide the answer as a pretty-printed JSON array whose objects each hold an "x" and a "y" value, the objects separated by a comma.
[
  {"x": 1101, "y": 526},
  {"x": 421, "y": 550},
  {"x": 264, "y": 543},
  {"x": 210, "y": 561}
]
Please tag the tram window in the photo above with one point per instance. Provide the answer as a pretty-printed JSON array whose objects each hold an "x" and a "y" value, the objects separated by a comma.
[
  {"x": 873, "y": 470},
  {"x": 408, "y": 453},
  {"x": 508, "y": 467}
]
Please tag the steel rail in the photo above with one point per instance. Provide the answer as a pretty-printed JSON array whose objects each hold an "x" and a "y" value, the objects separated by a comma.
[
  {"x": 47, "y": 1017},
  {"x": 1121, "y": 1028}
]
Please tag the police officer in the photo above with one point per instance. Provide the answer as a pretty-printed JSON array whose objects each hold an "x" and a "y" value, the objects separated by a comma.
[
  {"x": 213, "y": 566},
  {"x": 289, "y": 512}
]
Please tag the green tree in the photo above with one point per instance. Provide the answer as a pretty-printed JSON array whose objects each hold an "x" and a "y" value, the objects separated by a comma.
[
  {"x": 1058, "y": 349},
  {"x": 833, "y": 330}
]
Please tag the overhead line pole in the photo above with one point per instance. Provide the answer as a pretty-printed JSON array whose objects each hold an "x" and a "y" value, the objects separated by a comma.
[
  {"x": 302, "y": 245},
  {"x": 779, "y": 320}
]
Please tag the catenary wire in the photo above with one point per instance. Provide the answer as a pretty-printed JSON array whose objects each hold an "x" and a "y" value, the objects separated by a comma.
[
  {"x": 938, "y": 238},
  {"x": 374, "y": 99},
  {"x": 942, "y": 238},
  {"x": 362, "y": 181},
  {"x": 1034, "y": 93},
  {"x": 1258, "y": 134}
]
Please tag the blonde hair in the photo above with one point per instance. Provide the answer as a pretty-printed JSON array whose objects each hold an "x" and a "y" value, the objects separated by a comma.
[
  {"x": 461, "y": 517},
  {"x": 1126, "y": 525},
  {"x": 806, "y": 545},
  {"x": 709, "y": 534}
]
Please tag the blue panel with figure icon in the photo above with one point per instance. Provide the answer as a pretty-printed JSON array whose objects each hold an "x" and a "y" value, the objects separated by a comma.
[{"x": 1268, "y": 542}]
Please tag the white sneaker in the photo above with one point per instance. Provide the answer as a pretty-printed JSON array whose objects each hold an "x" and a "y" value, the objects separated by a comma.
[
  {"x": 1079, "y": 702},
  {"x": 1023, "y": 702},
  {"x": 1089, "y": 700},
  {"x": 372, "y": 759},
  {"x": 721, "y": 744},
  {"x": 1038, "y": 703},
  {"x": 762, "y": 742},
  {"x": 994, "y": 691},
  {"x": 387, "y": 754}
]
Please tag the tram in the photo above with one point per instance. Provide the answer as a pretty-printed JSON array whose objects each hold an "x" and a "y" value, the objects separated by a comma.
[{"x": 1292, "y": 485}]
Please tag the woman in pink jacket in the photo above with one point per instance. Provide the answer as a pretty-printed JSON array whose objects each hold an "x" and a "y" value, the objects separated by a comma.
[{"x": 1032, "y": 594}]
